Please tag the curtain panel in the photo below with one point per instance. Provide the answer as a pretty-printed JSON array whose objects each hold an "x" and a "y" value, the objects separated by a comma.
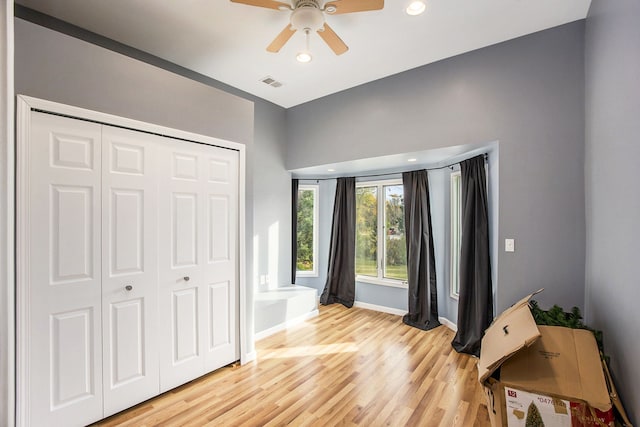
[
  {"x": 421, "y": 270},
  {"x": 475, "y": 301},
  {"x": 340, "y": 286}
]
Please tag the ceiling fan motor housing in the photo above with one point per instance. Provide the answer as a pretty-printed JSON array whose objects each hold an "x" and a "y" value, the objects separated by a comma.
[{"x": 307, "y": 16}]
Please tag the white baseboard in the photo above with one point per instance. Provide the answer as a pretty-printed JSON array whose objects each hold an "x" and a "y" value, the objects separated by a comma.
[
  {"x": 249, "y": 357},
  {"x": 448, "y": 323},
  {"x": 381, "y": 308},
  {"x": 284, "y": 325}
]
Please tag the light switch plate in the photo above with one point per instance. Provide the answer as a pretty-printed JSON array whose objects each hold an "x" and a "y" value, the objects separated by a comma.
[{"x": 509, "y": 245}]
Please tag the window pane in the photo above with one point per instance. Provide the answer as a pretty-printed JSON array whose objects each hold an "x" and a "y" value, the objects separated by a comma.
[
  {"x": 367, "y": 231},
  {"x": 395, "y": 246},
  {"x": 304, "y": 260}
]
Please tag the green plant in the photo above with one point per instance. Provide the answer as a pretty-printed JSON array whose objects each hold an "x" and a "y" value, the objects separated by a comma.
[{"x": 556, "y": 316}]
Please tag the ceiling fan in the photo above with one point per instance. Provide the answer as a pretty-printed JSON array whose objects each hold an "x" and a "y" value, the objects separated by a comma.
[{"x": 309, "y": 16}]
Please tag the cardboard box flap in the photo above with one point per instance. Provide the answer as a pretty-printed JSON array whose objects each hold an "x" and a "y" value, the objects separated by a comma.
[
  {"x": 509, "y": 332},
  {"x": 564, "y": 362}
]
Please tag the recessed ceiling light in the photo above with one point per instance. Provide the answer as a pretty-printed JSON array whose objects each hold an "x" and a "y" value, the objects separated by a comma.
[
  {"x": 412, "y": 159},
  {"x": 331, "y": 170},
  {"x": 416, "y": 7}
]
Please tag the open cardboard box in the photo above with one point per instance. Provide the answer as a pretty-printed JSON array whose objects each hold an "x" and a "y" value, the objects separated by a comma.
[{"x": 547, "y": 373}]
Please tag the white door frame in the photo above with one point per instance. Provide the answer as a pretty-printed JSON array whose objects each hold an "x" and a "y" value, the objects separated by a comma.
[
  {"x": 7, "y": 217},
  {"x": 24, "y": 107}
]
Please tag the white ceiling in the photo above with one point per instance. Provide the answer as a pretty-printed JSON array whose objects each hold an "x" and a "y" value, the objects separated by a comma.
[{"x": 227, "y": 41}]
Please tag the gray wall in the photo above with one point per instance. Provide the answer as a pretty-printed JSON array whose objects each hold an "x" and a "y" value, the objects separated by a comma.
[
  {"x": 612, "y": 92},
  {"x": 60, "y": 68},
  {"x": 528, "y": 94},
  {"x": 271, "y": 199}
]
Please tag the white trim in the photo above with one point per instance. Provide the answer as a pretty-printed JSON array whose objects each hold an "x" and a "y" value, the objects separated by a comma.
[
  {"x": 25, "y": 105},
  {"x": 376, "y": 183},
  {"x": 110, "y": 119},
  {"x": 285, "y": 325},
  {"x": 403, "y": 284},
  {"x": 316, "y": 197},
  {"x": 7, "y": 219},
  {"x": 380, "y": 308},
  {"x": 23, "y": 138},
  {"x": 246, "y": 338},
  {"x": 448, "y": 323}
]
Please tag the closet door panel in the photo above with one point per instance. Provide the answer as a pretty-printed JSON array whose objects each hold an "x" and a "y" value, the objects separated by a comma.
[
  {"x": 130, "y": 276},
  {"x": 220, "y": 189},
  {"x": 64, "y": 355},
  {"x": 181, "y": 287}
]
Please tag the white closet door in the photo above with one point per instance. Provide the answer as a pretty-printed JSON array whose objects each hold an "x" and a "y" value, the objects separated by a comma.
[
  {"x": 64, "y": 355},
  {"x": 129, "y": 268},
  {"x": 198, "y": 239},
  {"x": 181, "y": 286},
  {"x": 221, "y": 259}
]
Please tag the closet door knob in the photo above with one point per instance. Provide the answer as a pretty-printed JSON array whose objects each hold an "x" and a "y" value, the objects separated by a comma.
[
  {"x": 128, "y": 287},
  {"x": 187, "y": 278}
]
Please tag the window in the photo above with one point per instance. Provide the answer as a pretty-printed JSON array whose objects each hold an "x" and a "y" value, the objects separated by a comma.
[
  {"x": 456, "y": 232},
  {"x": 307, "y": 238},
  {"x": 380, "y": 212}
]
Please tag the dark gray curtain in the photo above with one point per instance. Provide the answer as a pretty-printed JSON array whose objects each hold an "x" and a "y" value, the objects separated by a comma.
[
  {"x": 421, "y": 265},
  {"x": 341, "y": 275},
  {"x": 475, "y": 302},
  {"x": 294, "y": 229}
]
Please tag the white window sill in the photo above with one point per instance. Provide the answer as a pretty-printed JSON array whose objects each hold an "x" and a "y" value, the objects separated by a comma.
[
  {"x": 382, "y": 282},
  {"x": 306, "y": 274},
  {"x": 454, "y": 296}
]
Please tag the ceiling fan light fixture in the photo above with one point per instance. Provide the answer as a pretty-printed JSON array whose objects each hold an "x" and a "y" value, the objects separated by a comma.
[
  {"x": 307, "y": 18},
  {"x": 416, "y": 7},
  {"x": 304, "y": 57}
]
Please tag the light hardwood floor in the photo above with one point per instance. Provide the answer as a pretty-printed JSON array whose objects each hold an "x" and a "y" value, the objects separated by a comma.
[{"x": 344, "y": 367}]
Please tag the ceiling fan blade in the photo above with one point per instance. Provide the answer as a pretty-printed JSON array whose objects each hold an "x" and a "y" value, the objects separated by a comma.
[
  {"x": 331, "y": 38},
  {"x": 350, "y": 6},
  {"x": 281, "y": 39},
  {"x": 270, "y": 4}
]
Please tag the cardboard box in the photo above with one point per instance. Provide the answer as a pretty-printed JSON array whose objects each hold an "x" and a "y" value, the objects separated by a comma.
[{"x": 547, "y": 374}]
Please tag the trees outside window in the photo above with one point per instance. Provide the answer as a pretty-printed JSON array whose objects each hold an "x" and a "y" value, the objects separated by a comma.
[
  {"x": 307, "y": 240},
  {"x": 380, "y": 212}
]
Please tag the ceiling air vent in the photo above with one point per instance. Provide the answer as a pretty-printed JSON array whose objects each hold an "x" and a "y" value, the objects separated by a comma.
[{"x": 271, "y": 81}]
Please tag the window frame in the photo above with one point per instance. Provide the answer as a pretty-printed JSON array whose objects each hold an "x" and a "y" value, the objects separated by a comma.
[
  {"x": 455, "y": 218},
  {"x": 315, "y": 188},
  {"x": 381, "y": 246}
]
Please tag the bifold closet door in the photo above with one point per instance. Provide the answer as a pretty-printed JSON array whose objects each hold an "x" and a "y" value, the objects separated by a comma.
[
  {"x": 64, "y": 354},
  {"x": 129, "y": 268},
  {"x": 198, "y": 296},
  {"x": 221, "y": 256}
]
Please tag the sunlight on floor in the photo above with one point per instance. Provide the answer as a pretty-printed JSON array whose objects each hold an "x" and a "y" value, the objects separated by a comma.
[{"x": 311, "y": 350}]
